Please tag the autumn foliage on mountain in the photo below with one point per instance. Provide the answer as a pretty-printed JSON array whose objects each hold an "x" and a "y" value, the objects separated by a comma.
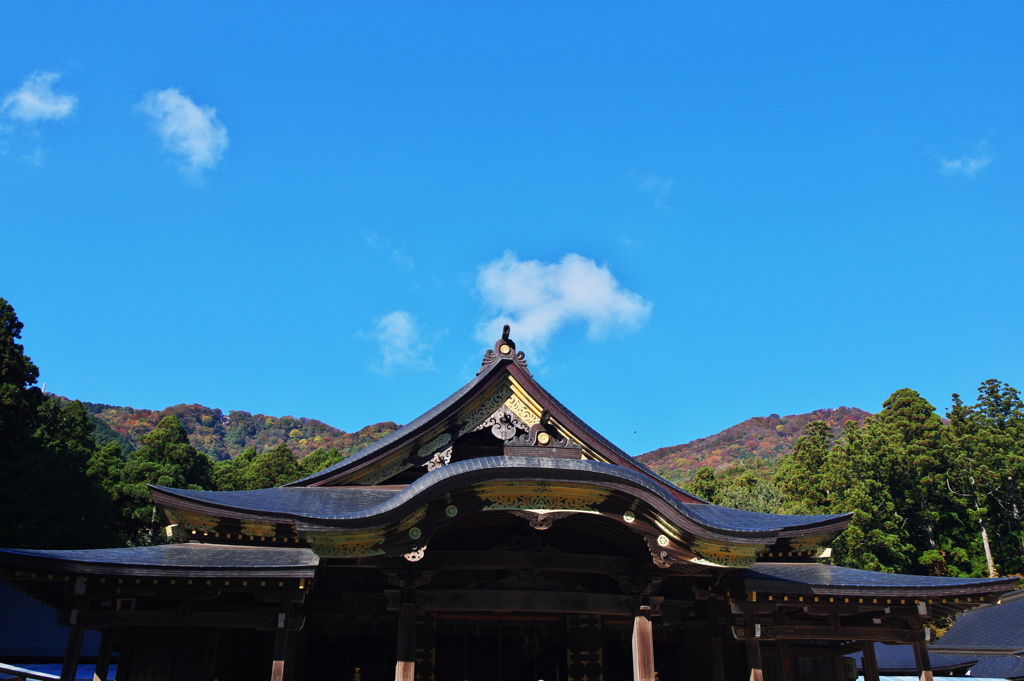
[
  {"x": 226, "y": 435},
  {"x": 762, "y": 437}
]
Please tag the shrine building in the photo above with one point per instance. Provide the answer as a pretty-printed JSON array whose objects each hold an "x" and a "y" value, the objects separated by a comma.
[{"x": 497, "y": 537}]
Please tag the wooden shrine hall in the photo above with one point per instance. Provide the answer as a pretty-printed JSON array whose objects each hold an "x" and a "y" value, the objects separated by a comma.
[{"x": 497, "y": 537}]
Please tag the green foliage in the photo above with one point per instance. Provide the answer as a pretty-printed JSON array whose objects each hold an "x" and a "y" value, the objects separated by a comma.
[
  {"x": 704, "y": 484},
  {"x": 45, "y": 446},
  {"x": 166, "y": 458},
  {"x": 273, "y": 469}
]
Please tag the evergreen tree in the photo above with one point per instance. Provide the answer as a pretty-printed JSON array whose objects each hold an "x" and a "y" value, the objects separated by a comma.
[
  {"x": 231, "y": 475},
  {"x": 273, "y": 468},
  {"x": 802, "y": 475},
  {"x": 319, "y": 459},
  {"x": 985, "y": 446},
  {"x": 704, "y": 484},
  {"x": 167, "y": 459},
  {"x": 45, "y": 446}
]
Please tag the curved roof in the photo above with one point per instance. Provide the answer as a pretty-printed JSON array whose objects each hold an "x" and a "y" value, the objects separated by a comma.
[{"x": 363, "y": 507}]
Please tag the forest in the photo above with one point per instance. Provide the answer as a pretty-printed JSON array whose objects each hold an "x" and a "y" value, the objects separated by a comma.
[{"x": 929, "y": 495}]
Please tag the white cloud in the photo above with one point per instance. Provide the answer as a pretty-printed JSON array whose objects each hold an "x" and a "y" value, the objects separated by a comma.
[
  {"x": 399, "y": 338},
  {"x": 968, "y": 165},
  {"x": 655, "y": 184},
  {"x": 188, "y": 131},
  {"x": 35, "y": 100},
  {"x": 537, "y": 299}
]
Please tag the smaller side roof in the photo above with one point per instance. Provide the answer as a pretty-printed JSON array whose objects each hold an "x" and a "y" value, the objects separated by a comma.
[
  {"x": 199, "y": 560},
  {"x": 899, "y": 660},
  {"x": 992, "y": 629},
  {"x": 816, "y": 578}
]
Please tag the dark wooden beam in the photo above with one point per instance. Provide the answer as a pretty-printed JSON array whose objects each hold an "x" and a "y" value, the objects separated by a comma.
[
  {"x": 520, "y": 601},
  {"x": 263, "y": 618},
  {"x": 753, "y": 643},
  {"x": 405, "y": 664},
  {"x": 825, "y": 633},
  {"x": 717, "y": 657},
  {"x": 511, "y": 560},
  {"x": 870, "y": 662},
  {"x": 103, "y": 656},
  {"x": 75, "y": 634}
]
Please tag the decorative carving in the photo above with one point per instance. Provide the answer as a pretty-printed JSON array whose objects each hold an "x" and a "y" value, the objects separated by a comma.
[
  {"x": 816, "y": 546},
  {"x": 540, "y": 496},
  {"x": 435, "y": 444},
  {"x": 451, "y": 510},
  {"x": 542, "y": 521},
  {"x": 481, "y": 413},
  {"x": 537, "y": 435},
  {"x": 414, "y": 556},
  {"x": 441, "y": 458},
  {"x": 382, "y": 474},
  {"x": 519, "y": 408},
  {"x": 722, "y": 554},
  {"x": 662, "y": 558},
  {"x": 191, "y": 521},
  {"x": 346, "y": 544},
  {"x": 504, "y": 348}
]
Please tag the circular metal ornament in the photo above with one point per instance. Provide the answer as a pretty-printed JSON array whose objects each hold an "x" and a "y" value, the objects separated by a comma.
[
  {"x": 505, "y": 349},
  {"x": 628, "y": 516},
  {"x": 662, "y": 540},
  {"x": 451, "y": 511},
  {"x": 543, "y": 438},
  {"x": 416, "y": 533}
]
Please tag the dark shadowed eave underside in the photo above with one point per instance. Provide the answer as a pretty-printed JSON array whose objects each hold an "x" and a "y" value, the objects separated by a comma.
[
  {"x": 169, "y": 560},
  {"x": 368, "y": 507},
  {"x": 831, "y": 580}
]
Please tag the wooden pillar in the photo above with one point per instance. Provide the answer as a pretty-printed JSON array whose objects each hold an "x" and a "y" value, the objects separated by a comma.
[
  {"x": 870, "y": 662},
  {"x": 405, "y": 667},
  {"x": 837, "y": 661},
  {"x": 717, "y": 657},
  {"x": 643, "y": 646},
  {"x": 103, "y": 656},
  {"x": 754, "y": 648},
  {"x": 75, "y": 634},
  {"x": 209, "y": 672},
  {"x": 785, "y": 661},
  {"x": 924, "y": 663},
  {"x": 277, "y": 670}
]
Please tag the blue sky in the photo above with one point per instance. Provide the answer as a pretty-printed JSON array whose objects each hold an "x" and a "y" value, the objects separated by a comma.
[{"x": 690, "y": 215}]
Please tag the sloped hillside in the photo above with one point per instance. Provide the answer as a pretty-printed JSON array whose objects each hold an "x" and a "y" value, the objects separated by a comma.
[
  {"x": 765, "y": 437},
  {"x": 224, "y": 436}
]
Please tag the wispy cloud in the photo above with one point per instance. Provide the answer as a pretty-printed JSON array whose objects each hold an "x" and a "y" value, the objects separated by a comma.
[
  {"x": 400, "y": 343},
  {"x": 190, "y": 132},
  {"x": 35, "y": 100},
  {"x": 35, "y": 158},
  {"x": 658, "y": 187},
  {"x": 968, "y": 165},
  {"x": 384, "y": 245},
  {"x": 537, "y": 299}
]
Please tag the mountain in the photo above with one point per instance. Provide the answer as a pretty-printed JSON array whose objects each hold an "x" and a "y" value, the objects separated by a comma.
[
  {"x": 224, "y": 436},
  {"x": 765, "y": 437}
]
